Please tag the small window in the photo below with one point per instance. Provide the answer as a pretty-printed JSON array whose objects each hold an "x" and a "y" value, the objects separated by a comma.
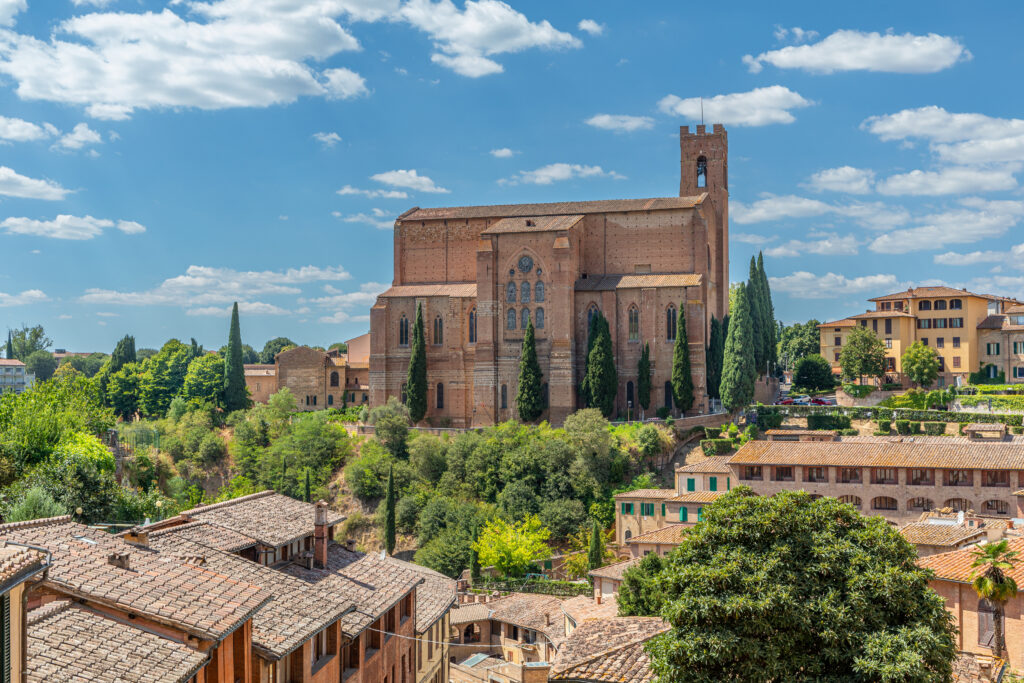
[
  {"x": 524, "y": 296},
  {"x": 403, "y": 331},
  {"x": 691, "y": 484},
  {"x": 438, "y": 331},
  {"x": 440, "y": 396},
  {"x": 472, "y": 326},
  {"x": 634, "y": 324},
  {"x": 538, "y": 292},
  {"x": 670, "y": 323},
  {"x": 591, "y": 312},
  {"x": 924, "y": 306},
  {"x": 330, "y": 399},
  {"x": 629, "y": 394},
  {"x": 504, "y": 397},
  {"x": 539, "y": 319},
  {"x": 511, "y": 322},
  {"x": 668, "y": 395},
  {"x": 510, "y": 293},
  {"x": 956, "y": 304},
  {"x": 682, "y": 514},
  {"x": 940, "y": 305},
  {"x": 712, "y": 483},
  {"x": 884, "y": 503}
]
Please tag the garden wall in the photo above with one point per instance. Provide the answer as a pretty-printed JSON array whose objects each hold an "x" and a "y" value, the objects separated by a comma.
[{"x": 872, "y": 399}]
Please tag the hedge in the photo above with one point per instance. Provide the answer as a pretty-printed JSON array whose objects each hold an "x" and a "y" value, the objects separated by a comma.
[
  {"x": 885, "y": 426},
  {"x": 1015, "y": 402},
  {"x": 935, "y": 428},
  {"x": 858, "y": 390},
  {"x": 769, "y": 418},
  {"x": 828, "y": 421},
  {"x": 716, "y": 446},
  {"x": 880, "y": 413},
  {"x": 712, "y": 432},
  {"x": 1017, "y": 430},
  {"x": 848, "y": 432},
  {"x": 902, "y": 426},
  {"x": 558, "y": 588}
]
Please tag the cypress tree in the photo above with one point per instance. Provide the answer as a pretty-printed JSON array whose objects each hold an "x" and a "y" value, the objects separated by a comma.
[
  {"x": 416, "y": 383},
  {"x": 474, "y": 557},
  {"x": 682, "y": 378},
  {"x": 529, "y": 398},
  {"x": 601, "y": 381},
  {"x": 595, "y": 555},
  {"x": 309, "y": 498},
  {"x": 643, "y": 382},
  {"x": 757, "y": 316},
  {"x": 10, "y": 345},
  {"x": 389, "y": 512},
  {"x": 713, "y": 357},
  {"x": 236, "y": 396},
  {"x": 123, "y": 354},
  {"x": 773, "y": 328},
  {"x": 738, "y": 371},
  {"x": 592, "y": 329}
]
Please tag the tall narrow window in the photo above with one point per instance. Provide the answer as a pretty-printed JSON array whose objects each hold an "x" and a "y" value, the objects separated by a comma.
[
  {"x": 986, "y": 623},
  {"x": 524, "y": 293},
  {"x": 438, "y": 331},
  {"x": 629, "y": 394},
  {"x": 668, "y": 395},
  {"x": 538, "y": 292},
  {"x": 634, "y": 324},
  {"x": 702, "y": 171},
  {"x": 591, "y": 312},
  {"x": 472, "y": 326},
  {"x": 670, "y": 323},
  {"x": 403, "y": 331},
  {"x": 510, "y": 293},
  {"x": 511, "y": 323},
  {"x": 440, "y": 396},
  {"x": 526, "y": 318},
  {"x": 538, "y": 318},
  {"x": 504, "y": 397},
  {"x": 334, "y": 379}
]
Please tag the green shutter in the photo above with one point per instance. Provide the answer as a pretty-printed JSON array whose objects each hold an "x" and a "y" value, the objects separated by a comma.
[
  {"x": 691, "y": 484},
  {"x": 713, "y": 483},
  {"x": 623, "y": 508},
  {"x": 682, "y": 514},
  {"x": 728, "y": 486},
  {"x": 5, "y": 618},
  {"x": 662, "y": 509},
  {"x": 700, "y": 514}
]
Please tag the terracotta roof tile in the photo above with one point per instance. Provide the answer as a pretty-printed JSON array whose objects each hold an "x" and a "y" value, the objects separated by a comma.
[
  {"x": 862, "y": 453},
  {"x": 952, "y": 535},
  {"x": 17, "y": 562},
  {"x": 673, "y": 533},
  {"x": 992, "y": 322},
  {"x": 660, "y": 494},
  {"x": 298, "y": 611},
  {"x": 198, "y": 600},
  {"x": 464, "y": 614},
  {"x": 956, "y": 565},
  {"x": 868, "y": 315},
  {"x": 984, "y": 427},
  {"x": 532, "y": 224},
  {"x": 270, "y": 517},
  {"x": 541, "y": 613},
  {"x": 12, "y": 362},
  {"x": 800, "y": 432},
  {"x": 614, "y": 571},
  {"x": 845, "y": 322},
  {"x": 68, "y": 642},
  {"x": 584, "y": 607},
  {"x": 608, "y": 650},
  {"x": 715, "y": 465},
  {"x": 927, "y": 292},
  {"x": 552, "y": 209},
  {"x": 465, "y": 290},
  {"x": 210, "y": 535},
  {"x": 706, "y": 497},
  {"x": 434, "y": 597},
  {"x": 606, "y": 283}
]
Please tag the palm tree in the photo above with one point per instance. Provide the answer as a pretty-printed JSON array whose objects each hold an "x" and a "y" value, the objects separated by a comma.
[{"x": 991, "y": 582}]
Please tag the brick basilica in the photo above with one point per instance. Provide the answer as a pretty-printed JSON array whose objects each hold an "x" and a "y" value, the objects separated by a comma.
[{"x": 482, "y": 272}]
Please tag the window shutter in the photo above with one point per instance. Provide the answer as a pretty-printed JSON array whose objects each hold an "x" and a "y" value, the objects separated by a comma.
[
  {"x": 691, "y": 484},
  {"x": 713, "y": 483},
  {"x": 682, "y": 514},
  {"x": 5, "y": 618}
]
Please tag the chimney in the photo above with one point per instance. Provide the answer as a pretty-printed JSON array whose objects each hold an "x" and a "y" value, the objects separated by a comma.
[
  {"x": 136, "y": 537},
  {"x": 547, "y": 619},
  {"x": 118, "y": 560},
  {"x": 598, "y": 598},
  {"x": 320, "y": 535}
]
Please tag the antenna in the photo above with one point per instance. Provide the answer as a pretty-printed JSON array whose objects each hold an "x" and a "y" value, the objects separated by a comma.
[{"x": 702, "y": 111}]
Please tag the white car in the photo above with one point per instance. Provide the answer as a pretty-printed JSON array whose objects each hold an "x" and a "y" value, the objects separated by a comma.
[{"x": 801, "y": 400}]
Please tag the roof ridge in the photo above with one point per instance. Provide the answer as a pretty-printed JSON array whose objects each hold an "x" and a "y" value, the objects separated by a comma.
[
  {"x": 620, "y": 645},
  {"x": 46, "y": 611},
  {"x": 227, "y": 503},
  {"x": 30, "y": 523}
]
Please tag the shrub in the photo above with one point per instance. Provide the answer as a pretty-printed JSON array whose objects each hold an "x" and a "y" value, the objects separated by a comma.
[
  {"x": 828, "y": 421},
  {"x": 769, "y": 418},
  {"x": 903, "y": 426},
  {"x": 750, "y": 432},
  {"x": 712, "y": 432},
  {"x": 858, "y": 390},
  {"x": 663, "y": 412},
  {"x": 1017, "y": 430},
  {"x": 37, "y": 504},
  {"x": 884, "y": 426},
  {"x": 848, "y": 432},
  {"x": 716, "y": 446},
  {"x": 935, "y": 428},
  {"x": 915, "y": 426},
  {"x": 813, "y": 372}
]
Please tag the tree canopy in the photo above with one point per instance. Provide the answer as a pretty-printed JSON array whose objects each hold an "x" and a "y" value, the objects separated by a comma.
[
  {"x": 27, "y": 340},
  {"x": 274, "y": 347},
  {"x": 798, "y": 340},
  {"x": 236, "y": 395},
  {"x": 600, "y": 380},
  {"x": 529, "y": 394},
  {"x": 643, "y": 381},
  {"x": 512, "y": 547},
  {"x": 863, "y": 354},
  {"x": 713, "y": 357},
  {"x": 813, "y": 373},
  {"x": 682, "y": 378},
  {"x": 738, "y": 371},
  {"x": 921, "y": 364},
  {"x": 416, "y": 381}
]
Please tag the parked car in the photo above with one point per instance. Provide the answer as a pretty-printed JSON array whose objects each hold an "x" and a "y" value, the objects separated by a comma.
[
  {"x": 784, "y": 402},
  {"x": 801, "y": 400},
  {"x": 821, "y": 402}
]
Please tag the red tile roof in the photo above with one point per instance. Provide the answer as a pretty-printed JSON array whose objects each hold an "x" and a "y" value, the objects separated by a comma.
[
  {"x": 659, "y": 494},
  {"x": 608, "y": 651},
  {"x": 928, "y": 292},
  {"x": 715, "y": 465},
  {"x": 951, "y": 535},
  {"x": 532, "y": 224},
  {"x": 17, "y": 562},
  {"x": 614, "y": 571},
  {"x": 607, "y": 283},
  {"x": 961, "y": 454},
  {"x": 552, "y": 209},
  {"x": 210, "y": 535},
  {"x": 463, "y": 290},
  {"x": 956, "y": 565},
  {"x": 270, "y": 517},
  {"x": 695, "y": 497},
  {"x": 584, "y": 607},
  {"x": 845, "y": 322},
  {"x": 671, "y": 534},
  {"x": 11, "y": 361}
]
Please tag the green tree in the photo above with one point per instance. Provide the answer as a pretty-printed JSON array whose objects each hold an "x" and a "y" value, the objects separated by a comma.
[
  {"x": 798, "y": 340},
  {"x": 640, "y": 594},
  {"x": 600, "y": 384},
  {"x": 713, "y": 357},
  {"x": 416, "y": 382},
  {"x": 813, "y": 373},
  {"x": 529, "y": 397},
  {"x": 10, "y": 346},
  {"x": 27, "y": 340},
  {"x": 204, "y": 381},
  {"x": 512, "y": 547},
  {"x": 87, "y": 365},
  {"x": 769, "y": 309},
  {"x": 122, "y": 392},
  {"x": 274, "y": 347},
  {"x": 738, "y": 371},
  {"x": 838, "y": 596},
  {"x": 341, "y": 347},
  {"x": 37, "y": 504},
  {"x": 162, "y": 378},
  {"x": 474, "y": 558},
  {"x": 863, "y": 354},
  {"x": 41, "y": 364},
  {"x": 921, "y": 364},
  {"x": 595, "y": 553},
  {"x": 682, "y": 378},
  {"x": 643, "y": 378},
  {"x": 236, "y": 395},
  {"x": 758, "y": 317},
  {"x": 389, "y": 513},
  {"x": 124, "y": 353},
  {"x": 249, "y": 355},
  {"x": 448, "y": 553},
  {"x": 392, "y": 431},
  {"x": 992, "y": 582}
]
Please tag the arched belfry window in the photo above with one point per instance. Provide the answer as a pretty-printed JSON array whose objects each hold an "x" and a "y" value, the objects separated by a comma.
[
  {"x": 671, "y": 322},
  {"x": 526, "y": 317},
  {"x": 524, "y": 293},
  {"x": 438, "y": 331},
  {"x": 538, "y": 292},
  {"x": 472, "y": 326},
  {"x": 510, "y": 293},
  {"x": 702, "y": 171},
  {"x": 511, "y": 319},
  {"x": 403, "y": 331},
  {"x": 634, "y": 324},
  {"x": 538, "y": 319}
]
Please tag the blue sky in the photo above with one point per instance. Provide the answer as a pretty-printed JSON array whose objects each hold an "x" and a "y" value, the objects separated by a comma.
[{"x": 162, "y": 159}]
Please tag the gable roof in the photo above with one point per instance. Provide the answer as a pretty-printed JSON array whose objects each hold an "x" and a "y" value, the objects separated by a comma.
[
  {"x": 209, "y": 535},
  {"x": 607, "y": 283},
  {"x": 695, "y": 497},
  {"x": 470, "y": 612},
  {"x": 670, "y": 534},
  {"x": 458, "y": 290},
  {"x": 271, "y": 518},
  {"x": 614, "y": 571},
  {"x": 656, "y": 494},
  {"x": 961, "y": 454},
  {"x": 845, "y": 322},
  {"x": 202, "y": 602},
  {"x": 534, "y": 611},
  {"x": 532, "y": 224},
  {"x": 952, "y": 535},
  {"x": 713, "y": 465},
  {"x": 12, "y": 361},
  {"x": 583, "y": 607},
  {"x": 434, "y": 597},
  {"x": 956, "y": 564},
  {"x": 68, "y": 642},
  {"x": 608, "y": 650},
  {"x": 926, "y": 292},
  {"x": 552, "y": 208},
  {"x": 17, "y": 563}
]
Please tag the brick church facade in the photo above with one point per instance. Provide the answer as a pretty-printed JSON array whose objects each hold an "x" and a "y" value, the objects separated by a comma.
[{"x": 481, "y": 273}]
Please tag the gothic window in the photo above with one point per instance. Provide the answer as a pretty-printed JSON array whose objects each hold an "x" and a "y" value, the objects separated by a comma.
[
  {"x": 668, "y": 395},
  {"x": 670, "y": 323},
  {"x": 504, "y": 397},
  {"x": 472, "y": 326},
  {"x": 440, "y": 396},
  {"x": 591, "y": 312},
  {"x": 524, "y": 293},
  {"x": 634, "y": 324},
  {"x": 544, "y": 396},
  {"x": 510, "y": 293},
  {"x": 438, "y": 331},
  {"x": 702, "y": 171},
  {"x": 403, "y": 331},
  {"x": 330, "y": 399},
  {"x": 538, "y": 318},
  {"x": 526, "y": 317},
  {"x": 511, "y": 319},
  {"x": 538, "y": 292},
  {"x": 629, "y": 394},
  {"x": 334, "y": 379}
]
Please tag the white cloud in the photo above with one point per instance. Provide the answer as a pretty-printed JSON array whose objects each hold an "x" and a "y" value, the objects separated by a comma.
[
  {"x": 19, "y": 130},
  {"x": 591, "y": 27},
  {"x": 795, "y": 34},
  {"x": 950, "y": 180},
  {"x": 957, "y": 138},
  {"x": 847, "y": 50},
  {"x": 203, "y": 286},
  {"x": 328, "y": 140},
  {"x": 952, "y": 258},
  {"x": 842, "y": 179},
  {"x": 827, "y": 244},
  {"x": 80, "y": 136},
  {"x": 108, "y": 314},
  {"x": 385, "y": 194},
  {"x": 9, "y": 8},
  {"x": 64, "y": 316},
  {"x": 342, "y": 303},
  {"x": 94, "y": 3},
  {"x": 620, "y": 122},
  {"x": 465, "y": 40},
  {"x": 758, "y": 107},
  {"x": 408, "y": 179},
  {"x": 29, "y": 296},
  {"x": 805, "y": 285},
  {"x": 247, "y": 307},
  {"x": 66, "y": 227},
  {"x": 379, "y": 218},
  {"x": 13, "y": 184},
  {"x": 344, "y": 84},
  {"x": 772, "y": 208},
  {"x": 502, "y": 153},
  {"x": 748, "y": 238},
  {"x": 977, "y": 220},
  {"x": 545, "y": 175}
]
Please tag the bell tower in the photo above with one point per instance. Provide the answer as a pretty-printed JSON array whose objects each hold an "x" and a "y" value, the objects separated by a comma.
[{"x": 704, "y": 167}]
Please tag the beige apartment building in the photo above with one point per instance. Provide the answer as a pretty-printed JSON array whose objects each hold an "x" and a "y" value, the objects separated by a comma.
[{"x": 952, "y": 321}]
